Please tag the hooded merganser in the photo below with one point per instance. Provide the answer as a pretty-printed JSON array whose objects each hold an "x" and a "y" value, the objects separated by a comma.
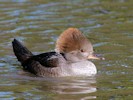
[{"x": 70, "y": 57}]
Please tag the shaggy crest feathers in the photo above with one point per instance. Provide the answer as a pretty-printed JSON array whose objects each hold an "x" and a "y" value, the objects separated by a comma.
[{"x": 71, "y": 39}]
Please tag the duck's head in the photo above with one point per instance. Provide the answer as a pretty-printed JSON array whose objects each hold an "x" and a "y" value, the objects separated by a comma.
[{"x": 75, "y": 46}]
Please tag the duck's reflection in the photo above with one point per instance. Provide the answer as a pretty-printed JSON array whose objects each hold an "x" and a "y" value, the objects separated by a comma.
[{"x": 76, "y": 86}]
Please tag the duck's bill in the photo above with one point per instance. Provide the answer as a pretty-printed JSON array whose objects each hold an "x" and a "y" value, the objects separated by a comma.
[{"x": 94, "y": 56}]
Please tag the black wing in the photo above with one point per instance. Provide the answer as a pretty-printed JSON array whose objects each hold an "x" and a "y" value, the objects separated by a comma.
[{"x": 49, "y": 59}]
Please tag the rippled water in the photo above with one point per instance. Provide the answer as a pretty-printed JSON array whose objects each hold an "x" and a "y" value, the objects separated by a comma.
[{"x": 38, "y": 23}]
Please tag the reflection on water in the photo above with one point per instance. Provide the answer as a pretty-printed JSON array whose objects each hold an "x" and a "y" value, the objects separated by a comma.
[
  {"x": 37, "y": 24},
  {"x": 76, "y": 86},
  {"x": 58, "y": 86}
]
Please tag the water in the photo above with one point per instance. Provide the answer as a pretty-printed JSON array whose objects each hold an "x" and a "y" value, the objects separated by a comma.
[{"x": 37, "y": 24}]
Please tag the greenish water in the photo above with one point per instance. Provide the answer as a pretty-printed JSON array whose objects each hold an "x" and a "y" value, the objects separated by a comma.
[{"x": 37, "y": 23}]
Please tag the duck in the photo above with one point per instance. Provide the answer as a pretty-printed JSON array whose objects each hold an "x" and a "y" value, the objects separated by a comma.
[{"x": 71, "y": 57}]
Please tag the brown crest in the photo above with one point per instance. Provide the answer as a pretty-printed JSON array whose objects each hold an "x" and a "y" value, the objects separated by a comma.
[{"x": 71, "y": 39}]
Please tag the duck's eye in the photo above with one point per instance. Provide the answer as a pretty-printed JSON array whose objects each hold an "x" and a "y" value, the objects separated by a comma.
[{"x": 82, "y": 50}]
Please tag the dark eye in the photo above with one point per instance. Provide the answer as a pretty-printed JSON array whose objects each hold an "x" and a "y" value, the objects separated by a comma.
[{"x": 82, "y": 50}]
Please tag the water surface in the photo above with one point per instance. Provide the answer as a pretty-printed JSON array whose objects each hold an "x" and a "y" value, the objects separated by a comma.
[{"x": 37, "y": 24}]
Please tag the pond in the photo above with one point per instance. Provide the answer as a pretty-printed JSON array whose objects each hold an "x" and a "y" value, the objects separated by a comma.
[{"x": 108, "y": 24}]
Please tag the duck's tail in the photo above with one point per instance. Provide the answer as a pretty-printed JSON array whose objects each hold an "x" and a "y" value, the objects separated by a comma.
[{"x": 21, "y": 52}]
